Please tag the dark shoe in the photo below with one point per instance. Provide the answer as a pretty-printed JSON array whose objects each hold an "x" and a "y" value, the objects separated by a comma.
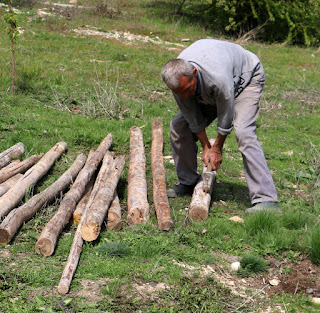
[
  {"x": 265, "y": 206},
  {"x": 180, "y": 190}
]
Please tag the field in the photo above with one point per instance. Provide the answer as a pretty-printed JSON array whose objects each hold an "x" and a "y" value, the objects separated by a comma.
[{"x": 88, "y": 70}]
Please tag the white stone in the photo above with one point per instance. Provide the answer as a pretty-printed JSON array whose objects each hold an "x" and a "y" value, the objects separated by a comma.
[
  {"x": 315, "y": 300},
  {"x": 235, "y": 266},
  {"x": 236, "y": 219},
  {"x": 274, "y": 282}
]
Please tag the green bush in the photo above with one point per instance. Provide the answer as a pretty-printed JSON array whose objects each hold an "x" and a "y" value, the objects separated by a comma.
[{"x": 292, "y": 22}]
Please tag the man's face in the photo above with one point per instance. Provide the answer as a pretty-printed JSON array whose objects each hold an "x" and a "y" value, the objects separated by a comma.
[{"x": 187, "y": 87}]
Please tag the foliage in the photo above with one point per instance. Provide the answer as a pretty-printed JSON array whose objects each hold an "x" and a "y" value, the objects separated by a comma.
[{"x": 292, "y": 22}]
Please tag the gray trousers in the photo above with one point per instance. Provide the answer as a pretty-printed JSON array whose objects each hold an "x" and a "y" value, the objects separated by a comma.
[{"x": 257, "y": 174}]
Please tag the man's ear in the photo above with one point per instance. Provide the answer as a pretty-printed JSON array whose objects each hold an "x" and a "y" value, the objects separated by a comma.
[{"x": 195, "y": 71}]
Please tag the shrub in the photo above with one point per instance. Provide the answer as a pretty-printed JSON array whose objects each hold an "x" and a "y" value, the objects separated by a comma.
[{"x": 292, "y": 22}]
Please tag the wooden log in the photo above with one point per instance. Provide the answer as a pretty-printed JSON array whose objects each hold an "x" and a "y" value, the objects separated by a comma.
[
  {"x": 138, "y": 206},
  {"x": 160, "y": 198},
  {"x": 49, "y": 235},
  {"x": 15, "y": 194},
  {"x": 18, "y": 216},
  {"x": 82, "y": 204},
  {"x": 20, "y": 167},
  {"x": 200, "y": 202},
  {"x": 11, "y": 164},
  {"x": 76, "y": 247},
  {"x": 113, "y": 218},
  {"x": 13, "y": 152},
  {"x": 4, "y": 187},
  {"x": 103, "y": 198}
]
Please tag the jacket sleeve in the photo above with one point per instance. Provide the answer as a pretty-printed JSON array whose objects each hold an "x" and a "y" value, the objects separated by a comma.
[{"x": 192, "y": 113}]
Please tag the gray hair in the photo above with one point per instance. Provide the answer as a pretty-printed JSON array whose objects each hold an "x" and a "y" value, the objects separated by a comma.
[{"x": 173, "y": 70}]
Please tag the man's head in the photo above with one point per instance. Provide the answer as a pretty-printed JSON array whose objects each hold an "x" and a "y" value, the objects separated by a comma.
[{"x": 180, "y": 76}]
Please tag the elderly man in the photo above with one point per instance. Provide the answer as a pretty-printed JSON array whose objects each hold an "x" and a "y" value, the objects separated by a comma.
[{"x": 218, "y": 79}]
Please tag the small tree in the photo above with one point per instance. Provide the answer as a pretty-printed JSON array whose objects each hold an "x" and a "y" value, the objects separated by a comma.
[{"x": 11, "y": 19}]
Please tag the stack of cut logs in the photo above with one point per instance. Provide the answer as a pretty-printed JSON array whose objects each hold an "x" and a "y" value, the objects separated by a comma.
[{"x": 91, "y": 200}]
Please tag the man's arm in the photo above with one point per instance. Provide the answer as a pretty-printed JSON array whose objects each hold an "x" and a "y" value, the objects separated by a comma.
[{"x": 211, "y": 153}]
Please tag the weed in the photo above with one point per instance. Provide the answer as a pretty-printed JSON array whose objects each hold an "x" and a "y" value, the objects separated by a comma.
[
  {"x": 264, "y": 221},
  {"x": 252, "y": 264}
]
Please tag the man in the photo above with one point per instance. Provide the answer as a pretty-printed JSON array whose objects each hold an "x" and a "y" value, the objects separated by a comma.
[{"x": 218, "y": 79}]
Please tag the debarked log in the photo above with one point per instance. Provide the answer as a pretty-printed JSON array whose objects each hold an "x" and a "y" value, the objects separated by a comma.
[
  {"x": 200, "y": 202},
  {"x": 104, "y": 196},
  {"x": 15, "y": 194},
  {"x": 49, "y": 235},
  {"x": 18, "y": 216},
  {"x": 138, "y": 206},
  {"x": 76, "y": 247},
  {"x": 113, "y": 218},
  {"x": 82, "y": 204},
  {"x": 4, "y": 187},
  {"x": 160, "y": 198},
  {"x": 13, "y": 152},
  {"x": 20, "y": 167}
]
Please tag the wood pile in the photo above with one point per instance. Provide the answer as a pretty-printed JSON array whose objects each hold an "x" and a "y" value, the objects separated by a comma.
[{"x": 91, "y": 198}]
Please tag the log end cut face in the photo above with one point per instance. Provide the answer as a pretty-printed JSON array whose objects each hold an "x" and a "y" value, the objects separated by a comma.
[
  {"x": 45, "y": 247},
  {"x": 90, "y": 231},
  {"x": 198, "y": 213},
  {"x": 4, "y": 236},
  {"x": 63, "y": 289},
  {"x": 166, "y": 224}
]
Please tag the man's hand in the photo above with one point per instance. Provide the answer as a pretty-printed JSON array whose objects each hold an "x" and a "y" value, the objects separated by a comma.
[{"x": 211, "y": 153}]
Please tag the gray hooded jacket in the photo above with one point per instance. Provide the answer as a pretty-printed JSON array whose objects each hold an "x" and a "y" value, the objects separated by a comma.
[{"x": 224, "y": 70}]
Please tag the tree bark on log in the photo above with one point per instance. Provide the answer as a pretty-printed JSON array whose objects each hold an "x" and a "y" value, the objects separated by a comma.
[
  {"x": 15, "y": 194},
  {"x": 138, "y": 206},
  {"x": 160, "y": 198},
  {"x": 49, "y": 235},
  {"x": 76, "y": 247},
  {"x": 4, "y": 187},
  {"x": 11, "y": 164},
  {"x": 13, "y": 152},
  {"x": 113, "y": 218},
  {"x": 103, "y": 198},
  {"x": 18, "y": 216},
  {"x": 82, "y": 204},
  {"x": 200, "y": 202},
  {"x": 20, "y": 167}
]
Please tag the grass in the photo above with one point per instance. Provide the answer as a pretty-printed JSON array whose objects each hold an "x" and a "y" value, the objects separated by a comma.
[{"x": 59, "y": 75}]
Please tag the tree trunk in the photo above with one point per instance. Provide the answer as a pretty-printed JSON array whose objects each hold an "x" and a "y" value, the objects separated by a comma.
[
  {"x": 13, "y": 152},
  {"x": 15, "y": 194},
  {"x": 4, "y": 187},
  {"x": 113, "y": 218},
  {"x": 138, "y": 206},
  {"x": 20, "y": 167},
  {"x": 160, "y": 198},
  {"x": 200, "y": 202},
  {"x": 49, "y": 235},
  {"x": 103, "y": 198},
  {"x": 81, "y": 206},
  {"x": 77, "y": 243},
  {"x": 18, "y": 216}
]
